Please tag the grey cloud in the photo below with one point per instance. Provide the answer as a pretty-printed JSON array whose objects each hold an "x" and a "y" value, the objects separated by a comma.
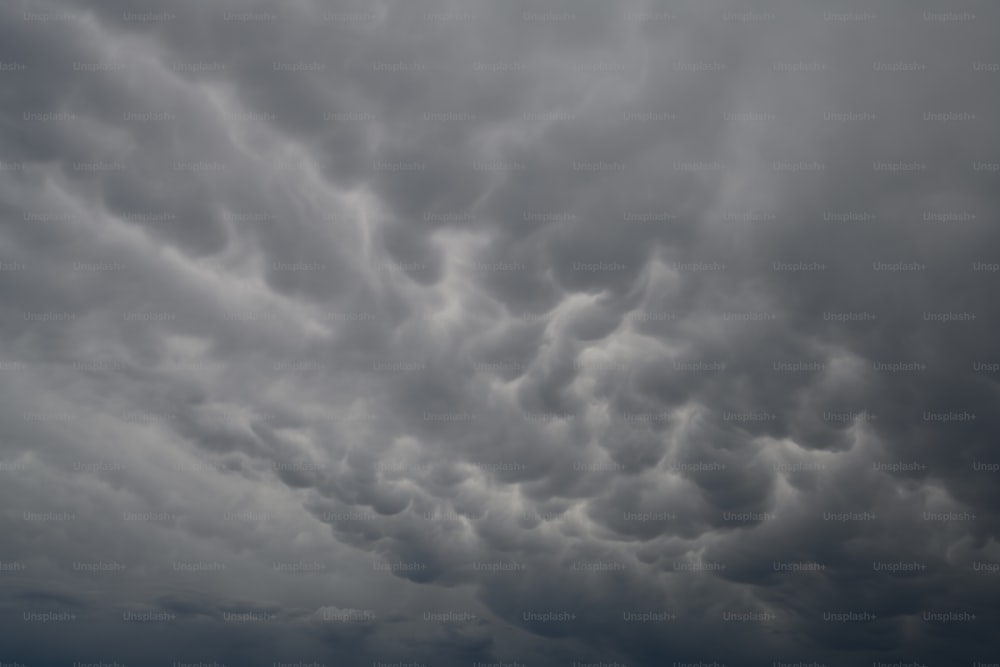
[{"x": 479, "y": 328}]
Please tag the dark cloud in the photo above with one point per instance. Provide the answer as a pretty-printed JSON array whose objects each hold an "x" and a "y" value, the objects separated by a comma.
[{"x": 436, "y": 333}]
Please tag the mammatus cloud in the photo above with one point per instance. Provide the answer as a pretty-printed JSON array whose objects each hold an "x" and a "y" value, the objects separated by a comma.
[{"x": 498, "y": 333}]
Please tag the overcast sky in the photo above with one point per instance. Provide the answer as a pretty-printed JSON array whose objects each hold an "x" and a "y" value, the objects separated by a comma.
[{"x": 439, "y": 333}]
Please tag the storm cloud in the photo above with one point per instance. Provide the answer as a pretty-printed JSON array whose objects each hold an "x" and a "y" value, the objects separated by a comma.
[{"x": 497, "y": 332}]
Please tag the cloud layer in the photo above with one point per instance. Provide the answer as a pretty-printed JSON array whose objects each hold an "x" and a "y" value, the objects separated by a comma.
[{"x": 495, "y": 332}]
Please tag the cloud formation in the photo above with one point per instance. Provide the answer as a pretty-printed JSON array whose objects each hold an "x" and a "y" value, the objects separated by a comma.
[{"x": 494, "y": 332}]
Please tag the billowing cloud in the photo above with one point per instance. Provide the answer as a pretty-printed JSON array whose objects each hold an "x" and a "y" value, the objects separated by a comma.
[{"x": 498, "y": 333}]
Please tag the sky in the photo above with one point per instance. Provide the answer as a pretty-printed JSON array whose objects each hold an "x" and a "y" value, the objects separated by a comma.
[{"x": 607, "y": 333}]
